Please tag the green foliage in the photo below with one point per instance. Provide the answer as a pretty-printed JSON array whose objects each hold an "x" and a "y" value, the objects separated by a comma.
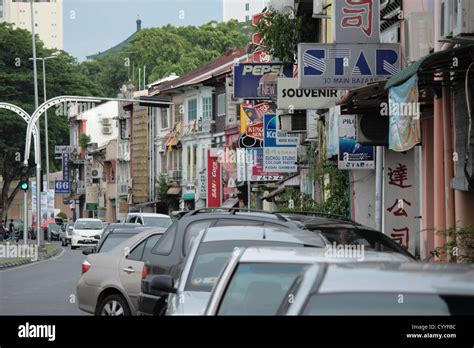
[
  {"x": 166, "y": 50},
  {"x": 61, "y": 215},
  {"x": 460, "y": 245},
  {"x": 84, "y": 140},
  {"x": 63, "y": 76},
  {"x": 301, "y": 201},
  {"x": 281, "y": 32},
  {"x": 162, "y": 185}
]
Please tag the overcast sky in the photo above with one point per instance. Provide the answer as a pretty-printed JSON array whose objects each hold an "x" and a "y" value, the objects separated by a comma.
[{"x": 91, "y": 26}]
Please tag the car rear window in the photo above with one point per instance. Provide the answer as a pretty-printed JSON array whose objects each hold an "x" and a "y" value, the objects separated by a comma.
[{"x": 114, "y": 239}]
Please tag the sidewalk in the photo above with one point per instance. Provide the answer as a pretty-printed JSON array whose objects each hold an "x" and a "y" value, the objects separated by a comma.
[{"x": 50, "y": 250}]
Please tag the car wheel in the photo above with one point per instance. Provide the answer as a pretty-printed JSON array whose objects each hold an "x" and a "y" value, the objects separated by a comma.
[{"x": 113, "y": 305}]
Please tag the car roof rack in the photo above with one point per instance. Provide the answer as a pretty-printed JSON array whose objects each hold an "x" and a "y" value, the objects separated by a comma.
[
  {"x": 313, "y": 213},
  {"x": 178, "y": 214},
  {"x": 233, "y": 211}
]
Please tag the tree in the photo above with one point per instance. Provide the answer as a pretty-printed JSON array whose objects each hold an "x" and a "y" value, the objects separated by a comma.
[
  {"x": 166, "y": 50},
  {"x": 63, "y": 76}
]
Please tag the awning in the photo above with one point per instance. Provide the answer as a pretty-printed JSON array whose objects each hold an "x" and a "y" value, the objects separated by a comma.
[
  {"x": 155, "y": 101},
  {"x": 364, "y": 99},
  {"x": 442, "y": 68},
  {"x": 174, "y": 191},
  {"x": 188, "y": 196},
  {"x": 230, "y": 203}
]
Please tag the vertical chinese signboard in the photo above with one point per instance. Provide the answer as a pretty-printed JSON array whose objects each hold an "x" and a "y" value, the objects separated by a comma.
[
  {"x": 401, "y": 204},
  {"x": 213, "y": 179},
  {"x": 356, "y": 21}
]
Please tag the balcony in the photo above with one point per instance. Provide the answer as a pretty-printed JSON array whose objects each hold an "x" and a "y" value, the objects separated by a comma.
[{"x": 123, "y": 153}]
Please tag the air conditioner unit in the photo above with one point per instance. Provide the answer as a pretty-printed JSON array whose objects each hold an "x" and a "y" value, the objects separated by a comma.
[
  {"x": 319, "y": 9},
  {"x": 418, "y": 35},
  {"x": 106, "y": 130},
  {"x": 106, "y": 121},
  {"x": 447, "y": 12},
  {"x": 463, "y": 18},
  {"x": 96, "y": 173},
  {"x": 295, "y": 122},
  {"x": 372, "y": 130}
]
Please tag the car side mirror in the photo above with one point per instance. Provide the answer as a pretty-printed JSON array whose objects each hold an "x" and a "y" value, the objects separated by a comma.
[
  {"x": 70, "y": 228},
  {"x": 163, "y": 283},
  {"x": 88, "y": 251},
  {"x": 97, "y": 236}
]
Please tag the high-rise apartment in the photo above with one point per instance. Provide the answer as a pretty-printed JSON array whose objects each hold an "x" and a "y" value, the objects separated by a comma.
[
  {"x": 242, "y": 10},
  {"x": 48, "y": 16}
]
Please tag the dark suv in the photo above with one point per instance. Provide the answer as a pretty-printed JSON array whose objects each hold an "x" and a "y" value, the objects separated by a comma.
[{"x": 168, "y": 254}]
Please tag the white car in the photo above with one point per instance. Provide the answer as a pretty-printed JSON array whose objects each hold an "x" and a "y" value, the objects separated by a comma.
[
  {"x": 149, "y": 219},
  {"x": 84, "y": 232}
]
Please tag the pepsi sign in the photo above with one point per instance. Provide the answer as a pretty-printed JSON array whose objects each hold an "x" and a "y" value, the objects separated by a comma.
[{"x": 345, "y": 66}]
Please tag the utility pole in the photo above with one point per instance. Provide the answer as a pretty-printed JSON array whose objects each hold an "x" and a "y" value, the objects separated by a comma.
[{"x": 38, "y": 161}]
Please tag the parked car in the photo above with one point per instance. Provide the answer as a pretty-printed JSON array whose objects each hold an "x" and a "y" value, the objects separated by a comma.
[
  {"x": 168, "y": 254},
  {"x": 341, "y": 230},
  {"x": 210, "y": 251},
  {"x": 413, "y": 288},
  {"x": 110, "y": 281},
  {"x": 115, "y": 234},
  {"x": 149, "y": 219},
  {"x": 55, "y": 231},
  {"x": 66, "y": 234},
  {"x": 84, "y": 232},
  {"x": 256, "y": 280}
]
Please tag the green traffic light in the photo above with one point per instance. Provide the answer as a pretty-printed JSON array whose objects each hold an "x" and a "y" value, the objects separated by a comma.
[{"x": 24, "y": 186}]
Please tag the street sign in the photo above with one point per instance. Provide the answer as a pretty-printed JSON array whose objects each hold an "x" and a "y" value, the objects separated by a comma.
[
  {"x": 345, "y": 66},
  {"x": 91, "y": 206},
  {"x": 59, "y": 149},
  {"x": 61, "y": 187}
]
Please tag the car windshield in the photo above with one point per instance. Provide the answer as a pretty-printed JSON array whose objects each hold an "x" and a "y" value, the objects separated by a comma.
[
  {"x": 157, "y": 221},
  {"x": 258, "y": 288},
  {"x": 88, "y": 225},
  {"x": 114, "y": 239},
  {"x": 211, "y": 258},
  {"x": 388, "y": 304}
]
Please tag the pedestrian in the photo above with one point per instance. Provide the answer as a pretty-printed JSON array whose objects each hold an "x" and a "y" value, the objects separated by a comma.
[
  {"x": 11, "y": 227},
  {"x": 2, "y": 231}
]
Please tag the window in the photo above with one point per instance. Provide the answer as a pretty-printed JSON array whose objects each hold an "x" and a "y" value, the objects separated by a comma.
[
  {"x": 165, "y": 244},
  {"x": 150, "y": 243},
  {"x": 164, "y": 116},
  {"x": 192, "y": 231},
  {"x": 192, "y": 110},
  {"x": 247, "y": 18},
  {"x": 178, "y": 113},
  {"x": 157, "y": 221},
  {"x": 247, "y": 6},
  {"x": 112, "y": 240},
  {"x": 137, "y": 252},
  {"x": 207, "y": 107},
  {"x": 258, "y": 288},
  {"x": 221, "y": 104}
]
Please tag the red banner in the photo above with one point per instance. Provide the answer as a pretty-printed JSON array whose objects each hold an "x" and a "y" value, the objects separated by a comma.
[{"x": 213, "y": 179}]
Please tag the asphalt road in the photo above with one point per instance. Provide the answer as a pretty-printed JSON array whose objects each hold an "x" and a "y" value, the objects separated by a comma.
[{"x": 44, "y": 288}]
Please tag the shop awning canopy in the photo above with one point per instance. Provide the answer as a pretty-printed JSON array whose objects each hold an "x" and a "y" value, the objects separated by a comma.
[
  {"x": 439, "y": 69},
  {"x": 363, "y": 99},
  {"x": 188, "y": 196}
]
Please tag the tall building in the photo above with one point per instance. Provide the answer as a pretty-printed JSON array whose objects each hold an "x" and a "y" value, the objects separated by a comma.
[
  {"x": 242, "y": 10},
  {"x": 48, "y": 18}
]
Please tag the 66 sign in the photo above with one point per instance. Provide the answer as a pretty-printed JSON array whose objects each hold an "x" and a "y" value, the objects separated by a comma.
[{"x": 61, "y": 187}]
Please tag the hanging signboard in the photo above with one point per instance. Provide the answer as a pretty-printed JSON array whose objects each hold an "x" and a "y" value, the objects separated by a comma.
[
  {"x": 356, "y": 21},
  {"x": 345, "y": 66},
  {"x": 273, "y": 137},
  {"x": 65, "y": 166},
  {"x": 352, "y": 155},
  {"x": 400, "y": 201},
  {"x": 213, "y": 179},
  {"x": 258, "y": 80},
  {"x": 277, "y": 157},
  {"x": 252, "y": 160},
  {"x": 289, "y": 97}
]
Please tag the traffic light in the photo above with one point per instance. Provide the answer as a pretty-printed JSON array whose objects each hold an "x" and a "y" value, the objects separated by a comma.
[{"x": 24, "y": 179}]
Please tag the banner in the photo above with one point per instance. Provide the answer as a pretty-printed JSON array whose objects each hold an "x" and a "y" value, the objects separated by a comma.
[
  {"x": 213, "y": 179},
  {"x": 252, "y": 115},
  {"x": 47, "y": 206},
  {"x": 258, "y": 80},
  {"x": 353, "y": 155},
  {"x": 404, "y": 116},
  {"x": 332, "y": 134}
]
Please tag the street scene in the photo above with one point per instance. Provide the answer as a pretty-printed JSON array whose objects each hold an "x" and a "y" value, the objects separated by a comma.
[{"x": 237, "y": 158}]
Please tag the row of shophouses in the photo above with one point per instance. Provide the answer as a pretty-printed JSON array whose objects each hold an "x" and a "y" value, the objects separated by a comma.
[{"x": 409, "y": 193}]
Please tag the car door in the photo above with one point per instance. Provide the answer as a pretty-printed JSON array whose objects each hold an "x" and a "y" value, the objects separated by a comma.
[{"x": 130, "y": 271}]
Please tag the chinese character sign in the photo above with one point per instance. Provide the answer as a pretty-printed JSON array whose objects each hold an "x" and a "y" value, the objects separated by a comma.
[
  {"x": 357, "y": 21},
  {"x": 401, "y": 204}
]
